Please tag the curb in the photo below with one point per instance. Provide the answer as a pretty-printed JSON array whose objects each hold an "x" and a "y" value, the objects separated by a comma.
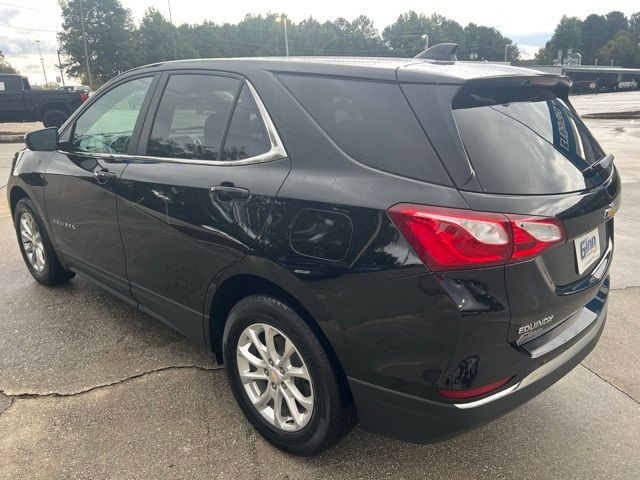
[
  {"x": 19, "y": 138},
  {"x": 613, "y": 115}
]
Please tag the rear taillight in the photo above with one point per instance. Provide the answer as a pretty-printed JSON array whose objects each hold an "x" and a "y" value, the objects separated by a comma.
[
  {"x": 84, "y": 96},
  {"x": 532, "y": 235},
  {"x": 453, "y": 239}
]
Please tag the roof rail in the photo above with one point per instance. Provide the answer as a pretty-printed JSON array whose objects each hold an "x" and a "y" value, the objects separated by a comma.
[{"x": 445, "y": 52}]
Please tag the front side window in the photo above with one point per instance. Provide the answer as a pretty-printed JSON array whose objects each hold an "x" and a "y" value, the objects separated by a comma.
[
  {"x": 107, "y": 124},
  {"x": 192, "y": 117}
]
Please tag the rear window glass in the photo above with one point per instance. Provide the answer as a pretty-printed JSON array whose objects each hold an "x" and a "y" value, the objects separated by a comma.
[
  {"x": 192, "y": 117},
  {"x": 371, "y": 122},
  {"x": 526, "y": 141},
  {"x": 247, "y": 136}
]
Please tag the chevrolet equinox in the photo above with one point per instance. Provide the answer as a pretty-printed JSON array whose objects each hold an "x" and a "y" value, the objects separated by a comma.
[{"x": 420, "y": 245}]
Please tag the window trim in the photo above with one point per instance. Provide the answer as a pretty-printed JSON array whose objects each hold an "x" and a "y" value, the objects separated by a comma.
[{"x": 276, "y": 152}]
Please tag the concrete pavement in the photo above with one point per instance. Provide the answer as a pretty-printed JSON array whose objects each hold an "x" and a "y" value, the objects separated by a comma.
[
  {"x": 619, "y": 102},
  {"x": 92, "y": 388}
]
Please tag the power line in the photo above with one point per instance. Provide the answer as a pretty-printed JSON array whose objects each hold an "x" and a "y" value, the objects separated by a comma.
[
  {"x": 27, "y": 29},
  {"x": 28, "y": 8}
]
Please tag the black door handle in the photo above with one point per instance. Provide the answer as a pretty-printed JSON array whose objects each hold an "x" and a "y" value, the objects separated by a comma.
[
  {"x": 103, "y": 175},
  {"x": 226, "y": 193}
]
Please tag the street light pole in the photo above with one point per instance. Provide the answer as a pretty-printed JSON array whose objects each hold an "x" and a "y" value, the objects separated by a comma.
[
  {"x": 44, "y": 71},
  {"x": 426, "y": 41},
  {"x": 173, "y": 31},
  {"x": 283, "y": 19},
  {"x": 84, "y": 41},
  {"x": 60, "y": 67},
  {"x": 506, "y": 50}
]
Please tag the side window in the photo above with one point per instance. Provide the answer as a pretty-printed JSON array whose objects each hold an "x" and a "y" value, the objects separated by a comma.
[
  {"x": 192, "y": 117},
  {"x": 107, "y": 125},
  {"x": 371, "y": 122},
  {"x": 247, "y": 136}
]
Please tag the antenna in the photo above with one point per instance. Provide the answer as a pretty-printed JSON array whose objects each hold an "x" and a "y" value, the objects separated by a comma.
[{"x": 445, "y": 52}]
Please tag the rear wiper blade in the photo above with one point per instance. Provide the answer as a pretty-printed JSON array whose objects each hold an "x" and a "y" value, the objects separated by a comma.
[{"x": 604, "y": 162}]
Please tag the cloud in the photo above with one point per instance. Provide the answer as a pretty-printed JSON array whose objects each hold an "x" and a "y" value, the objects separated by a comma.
[
  {"x": 539, "y": 38},
  {"x": 23, "y": 47},
  {"x": 7, "y": 14}
]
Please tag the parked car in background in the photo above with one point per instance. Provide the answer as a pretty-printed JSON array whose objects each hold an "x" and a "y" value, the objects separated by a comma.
[
  {"x": 630, "y": 84},
  {"x": 415, "y": 244},
  {"x": 75, "y": 88},
  {"x": 20, "y": 103}
]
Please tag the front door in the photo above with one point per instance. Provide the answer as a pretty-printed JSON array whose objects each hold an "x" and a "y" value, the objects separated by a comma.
[
  {"x": 197, "y": 195},
  {"x": 81, "y": 179}
]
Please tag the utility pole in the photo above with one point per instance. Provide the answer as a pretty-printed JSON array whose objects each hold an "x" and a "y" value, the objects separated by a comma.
[
  {"x": 60, "y": 67},
  {"x": 44, "y": 71},
  {"x": 84, "y": 40},
  {"x": 283, "y": 19},
  {"x": 506, "y": 50},
  {"x": 173, "y": 32}
]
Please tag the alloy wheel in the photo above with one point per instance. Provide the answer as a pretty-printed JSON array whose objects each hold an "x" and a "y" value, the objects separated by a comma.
[
  {"x": 275, "y": 377},
  {"x": 32, "y": 242}
]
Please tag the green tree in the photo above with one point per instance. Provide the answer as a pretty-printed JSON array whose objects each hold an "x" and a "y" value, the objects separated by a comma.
[
  {"x": 634, "y": 25},
  {"x": 486, "y": 43},
  {"x": 567, "y": 35},
  {"x": 110, "y": 39},
  {"x": 616, "y": 21},
  {"x": 622, "y": 50},
  {"x": 356, "y": 38},
  {"x": 5, "y": 66},
  {"x": 406, "y": 35},
  {"x": 594, "y": 35},
  {"x": 160, "y": 41}
]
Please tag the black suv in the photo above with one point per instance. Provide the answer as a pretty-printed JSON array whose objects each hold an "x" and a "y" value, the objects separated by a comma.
[{"x": 421, "y": 245}]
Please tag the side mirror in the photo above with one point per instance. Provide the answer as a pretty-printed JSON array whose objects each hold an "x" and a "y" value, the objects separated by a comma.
[{"x": 45, "y": 140}]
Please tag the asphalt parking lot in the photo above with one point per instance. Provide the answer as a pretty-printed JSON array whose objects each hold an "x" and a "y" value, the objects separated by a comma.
[{"x": 92, "y": 388}]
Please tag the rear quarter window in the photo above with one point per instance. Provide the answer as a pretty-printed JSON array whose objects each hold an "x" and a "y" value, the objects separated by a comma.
[{"x": 371, "y": 122}]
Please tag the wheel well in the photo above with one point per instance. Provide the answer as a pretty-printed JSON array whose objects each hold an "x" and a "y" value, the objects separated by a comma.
[
  {"x": 234, "y": 289},
  {"x": 53, "y": 106},
  {"x": 16, "y": 194}
]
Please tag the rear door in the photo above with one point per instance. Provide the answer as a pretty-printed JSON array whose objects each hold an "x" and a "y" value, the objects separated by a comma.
[{"x": 195, "y": 197}]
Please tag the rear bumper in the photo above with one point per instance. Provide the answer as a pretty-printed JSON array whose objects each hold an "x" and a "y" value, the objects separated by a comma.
[{"x": 409, "y": 418}]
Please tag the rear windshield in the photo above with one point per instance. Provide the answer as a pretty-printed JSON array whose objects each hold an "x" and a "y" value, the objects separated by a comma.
[
  {"x": 371, "y": 122},
  {"x": 526, "y": 141}
]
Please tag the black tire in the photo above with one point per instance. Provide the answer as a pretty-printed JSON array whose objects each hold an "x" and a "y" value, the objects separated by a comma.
[
  {"x": 333, "y": 414},
  {"x": 53, "y": 273},
  {"x": 54, "y": 118}
]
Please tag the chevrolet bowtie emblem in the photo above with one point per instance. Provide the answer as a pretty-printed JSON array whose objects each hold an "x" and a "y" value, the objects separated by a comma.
[{"x": 611, "y": 210}]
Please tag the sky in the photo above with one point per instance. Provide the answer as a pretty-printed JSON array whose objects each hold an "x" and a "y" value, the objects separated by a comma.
[{"x": 529, "y": 24}]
